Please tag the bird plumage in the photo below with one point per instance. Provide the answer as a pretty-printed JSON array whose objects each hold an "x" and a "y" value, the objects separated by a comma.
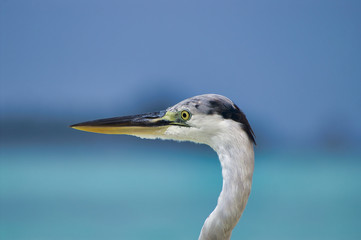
[{"x": 208, "y": 119}]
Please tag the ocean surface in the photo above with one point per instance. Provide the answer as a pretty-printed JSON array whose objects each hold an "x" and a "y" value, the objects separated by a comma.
[{"x": 160, "y": 191}]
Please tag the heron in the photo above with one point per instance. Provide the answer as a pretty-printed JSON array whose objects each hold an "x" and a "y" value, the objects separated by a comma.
[{"x": 209, "y": 119}]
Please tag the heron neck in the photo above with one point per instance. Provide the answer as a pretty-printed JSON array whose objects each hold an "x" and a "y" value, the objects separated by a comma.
[{"x": 237, "y": 160}]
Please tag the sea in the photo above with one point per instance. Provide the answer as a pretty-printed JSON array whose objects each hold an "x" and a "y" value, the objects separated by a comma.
[{"x": 134, "y": 189}]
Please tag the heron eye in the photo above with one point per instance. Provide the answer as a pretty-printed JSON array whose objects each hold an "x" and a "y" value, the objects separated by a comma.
[{"x": 185, "y": 115}]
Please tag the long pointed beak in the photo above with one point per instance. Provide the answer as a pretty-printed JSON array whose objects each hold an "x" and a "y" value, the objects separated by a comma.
[{"x": 143, "y": 125}]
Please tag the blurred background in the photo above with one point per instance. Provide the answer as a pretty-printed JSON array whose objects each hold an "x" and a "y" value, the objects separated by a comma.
[{"x": 292, "y": 66}]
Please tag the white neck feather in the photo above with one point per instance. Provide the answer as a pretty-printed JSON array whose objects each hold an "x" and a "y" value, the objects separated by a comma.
[{"x": 236, "y": 155}]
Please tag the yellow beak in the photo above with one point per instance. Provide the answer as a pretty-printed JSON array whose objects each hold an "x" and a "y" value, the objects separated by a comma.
[{"x": 143, "y": 125}]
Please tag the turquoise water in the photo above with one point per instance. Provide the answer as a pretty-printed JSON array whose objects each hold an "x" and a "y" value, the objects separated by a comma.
[{"x": 155, "y": 192}]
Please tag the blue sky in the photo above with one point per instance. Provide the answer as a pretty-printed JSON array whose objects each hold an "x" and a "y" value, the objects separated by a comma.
[{"x": 292, "y": 66}]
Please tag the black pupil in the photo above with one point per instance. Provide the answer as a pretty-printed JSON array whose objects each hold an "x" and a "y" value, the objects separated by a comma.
[{"x": 184, "y": 115}]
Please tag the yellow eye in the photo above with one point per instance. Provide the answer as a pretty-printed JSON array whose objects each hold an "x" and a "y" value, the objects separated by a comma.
[{"x": 185, "y": 115}]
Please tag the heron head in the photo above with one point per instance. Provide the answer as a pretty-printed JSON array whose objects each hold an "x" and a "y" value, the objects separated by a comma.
[{"x": 196, "y": 119}]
